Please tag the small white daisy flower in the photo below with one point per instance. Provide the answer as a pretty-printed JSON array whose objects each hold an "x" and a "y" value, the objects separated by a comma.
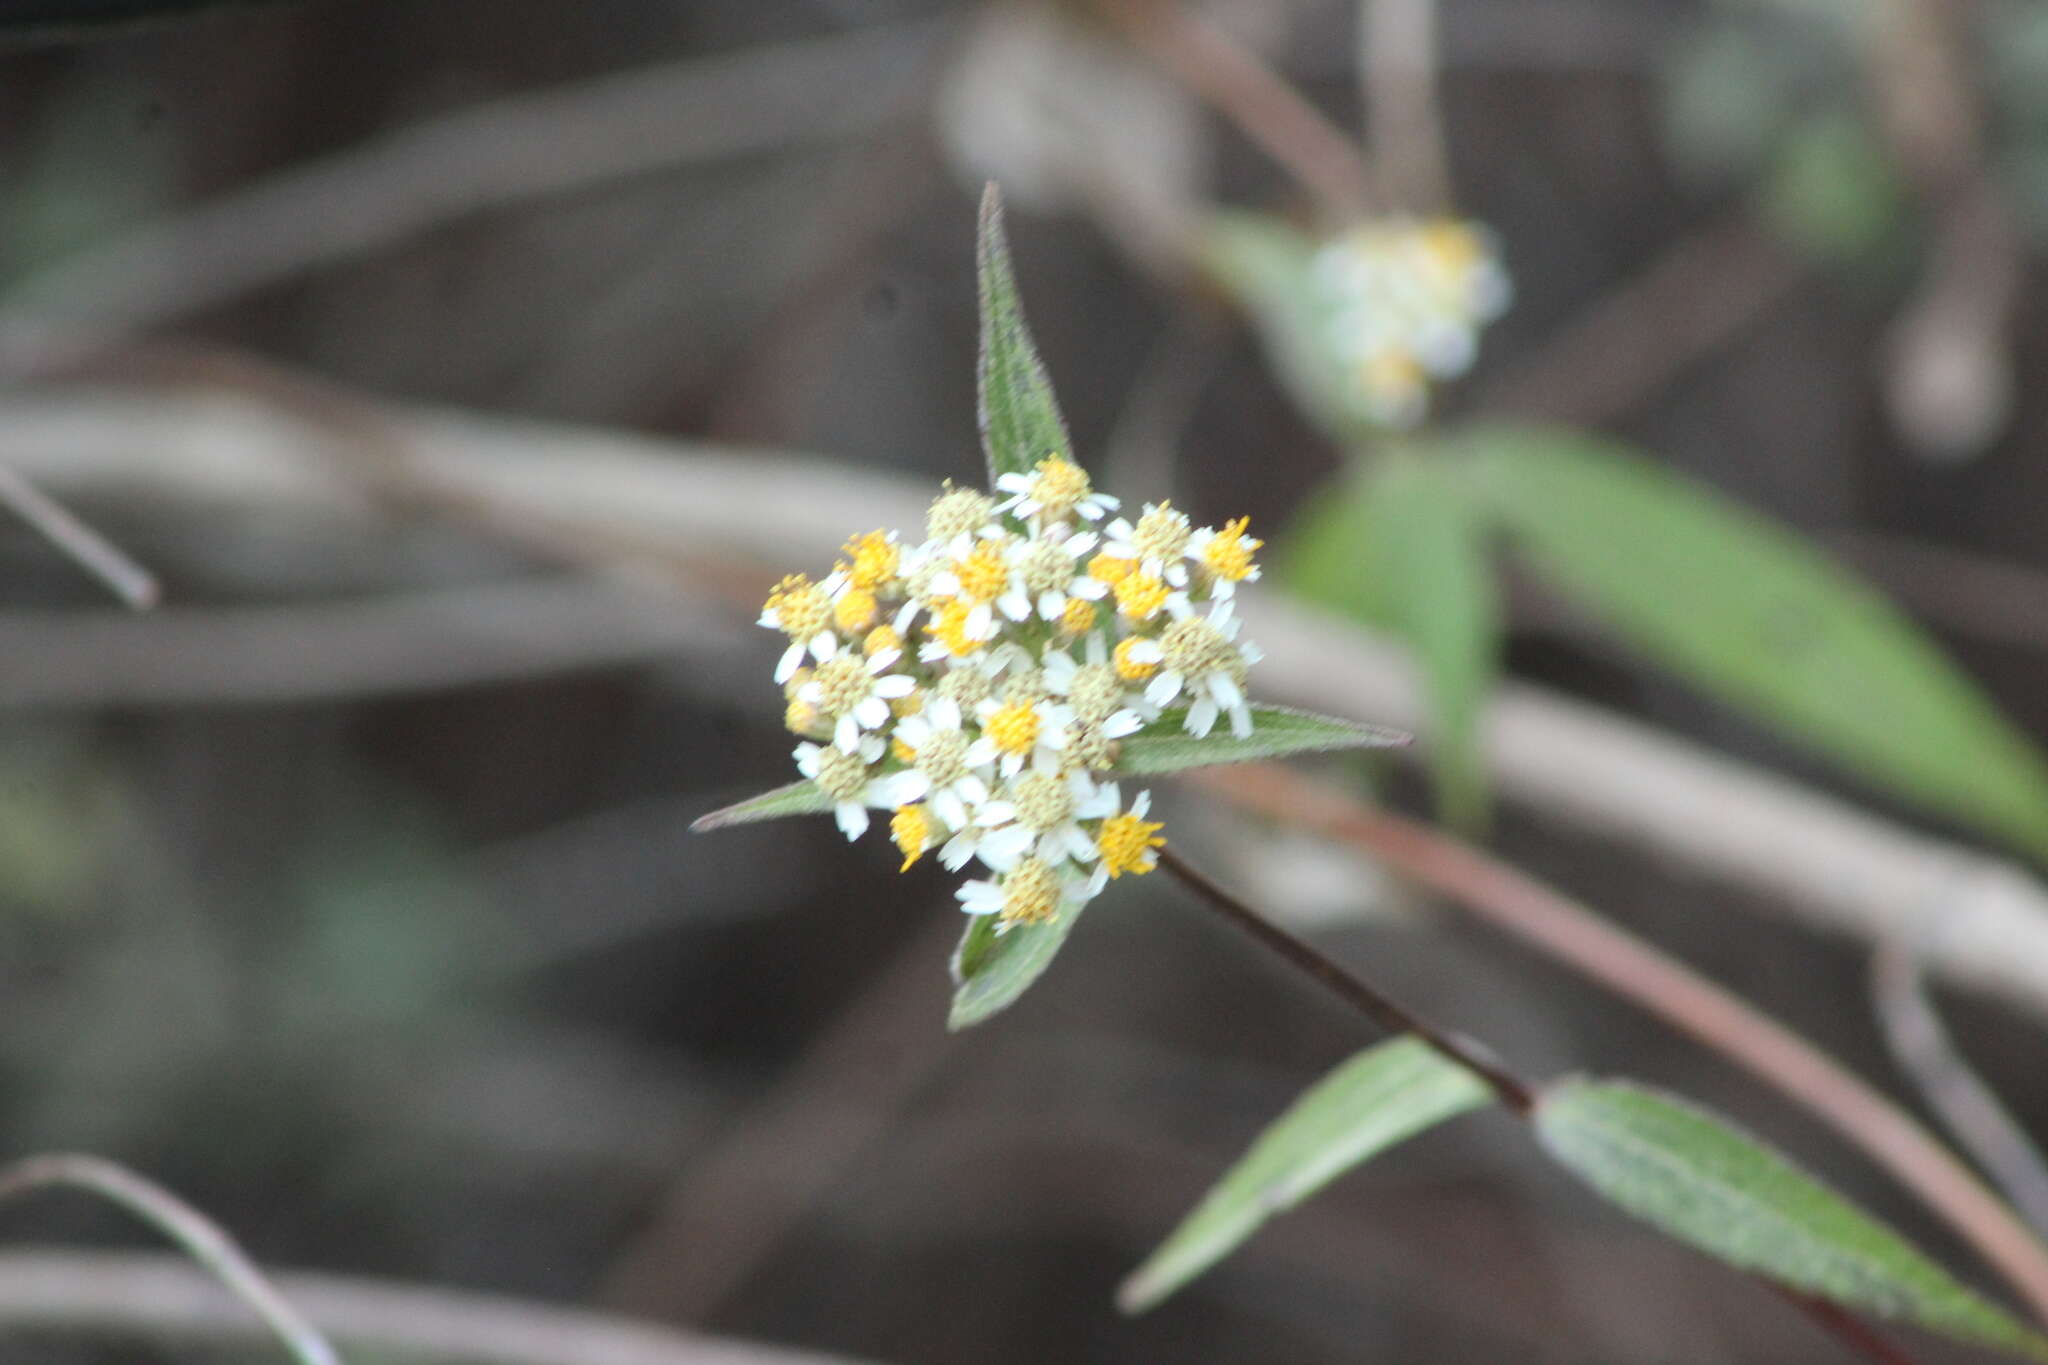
[
  {"x": 851, "y": 782},
  {"x": 854, "y": 694},
  {"x": 1198, "y": 657},
  {"x": 1039, "y": 813},
  {"x": 1158, "y": 543},
  {"x": 802, "y": 610},
  {"x": 1052, "y": 492},
  {"x": 1045, "y": 576},
  {"x": 1022, "y": 731},
  {"x": 941, "y": 752},
  {"x": 1031, "y": 892}
]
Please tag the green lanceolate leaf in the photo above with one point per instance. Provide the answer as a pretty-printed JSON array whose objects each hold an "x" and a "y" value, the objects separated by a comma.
[
  {"x": 1403, "y": 547},
  {"x": 798, "y": 798},
  {"x": 1020, "y": 418},
  {"x": 1748, "y": 613},
  {"x": 1708, "y": 1184},
  {"x": 1165, "y": 746},
  {"x": 1380, "y": 1097},
  {"x": 991, "y": 969},
  {"x": 1267, "y": 267}
]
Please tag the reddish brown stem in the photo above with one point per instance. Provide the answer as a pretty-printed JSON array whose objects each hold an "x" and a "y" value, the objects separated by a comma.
[{"x": 1630, "y": 968}]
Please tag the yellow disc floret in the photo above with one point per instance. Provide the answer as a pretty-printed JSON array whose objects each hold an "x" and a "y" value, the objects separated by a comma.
[
  {"x": 1077, "y": 617},
  {"x": 1014, "y": 727},
  {"x": 881, "y": 638},
  {"x": 949, "y": 628},
  {"x": 855, "y": 610},
  {"x": 800, "y": 606},
  {"x": 1126, "y": 842},
  {"x": 1031, "y": 892},
  {"x": 958, "y": 512},
  {"x": 911, "y": 828},
  {"x": 802, "y": 718},
  {"x": 984, "y": 573},
  {"x": 1110, "y": 569},
  {"x": 874, "y": 557},
  {"x": 1129, "y": 669},
  {"x": 1043, "y": 801},
  {"x": 1229, "y": 552},
  {"x": 1162, "y": 533},
  {"x": 1140, "y": 596},
  {"x": 842, "y": 683},
  {"x": 1058, "y": 485},
  {"x": 842, "y": 776}
]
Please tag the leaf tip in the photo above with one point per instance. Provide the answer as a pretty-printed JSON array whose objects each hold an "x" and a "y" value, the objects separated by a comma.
[{"x": 1140, "y": 1293}]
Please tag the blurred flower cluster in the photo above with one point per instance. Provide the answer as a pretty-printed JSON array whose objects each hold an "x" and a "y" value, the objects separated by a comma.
[
  {"x": 1406, "y": 300},
  {"x": 978, "y": 683}
]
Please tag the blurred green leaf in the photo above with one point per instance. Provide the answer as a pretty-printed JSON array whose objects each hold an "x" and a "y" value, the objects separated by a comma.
[
  {"x": 1833, "y": 190},
  {"x": 1729, "y": 91},
  {"x": 994, "y": 965},
  {"x": 1747, "y": 612},
  {"x": 1266, "y": 266},
  {"x": 1164, "y": 746},
  {"x": 798, "y": 798},
  {"x": 1020, "y": 417},
  {"x": 1404, "y": 548},
  {"x": 1383, "y": 1096},
  {"x": 1707, "y": 1184}
]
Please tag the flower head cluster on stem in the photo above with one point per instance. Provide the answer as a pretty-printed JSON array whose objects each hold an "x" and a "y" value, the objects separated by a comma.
[
  {"x": 979, "y": 684},
  {"x": 1406, "y": 301}
]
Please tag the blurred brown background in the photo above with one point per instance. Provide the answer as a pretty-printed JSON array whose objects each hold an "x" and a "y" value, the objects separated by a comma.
[{"x": 351, "y": 896}]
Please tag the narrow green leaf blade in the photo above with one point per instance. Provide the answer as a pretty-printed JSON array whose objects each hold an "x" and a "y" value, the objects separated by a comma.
[
  {"x": 1383, "y": 1096},
  {"x": 1020, "y": 417},
  {"x": 991, "y": 969},
  {"x": 1748, "y": 613},
  {"x": 798, "y": 798},
  {"x": 1165, "y": 746},
  {"x": 1403, "y": 546},
  {"x": 1706, "y": 1183}
]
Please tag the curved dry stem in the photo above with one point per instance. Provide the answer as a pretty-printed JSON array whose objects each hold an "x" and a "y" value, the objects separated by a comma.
[
  {"x": 1691, "y": 1003},
  {"x": 200, "y": 1236}
]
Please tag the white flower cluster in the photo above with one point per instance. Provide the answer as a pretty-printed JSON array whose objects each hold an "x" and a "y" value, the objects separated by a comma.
[
  {"x": 978, "y": 683},
  {"x": 1407, "y": 299}
]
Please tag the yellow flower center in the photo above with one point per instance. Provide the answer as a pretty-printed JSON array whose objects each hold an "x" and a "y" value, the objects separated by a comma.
[
  {"x": 1393, "y": 373},
  {"x": 1059, "y": 486},
  {"x": 843, "y": 683},
  {"x": 950, "y": 629},
  {"x": 958, "y": 512},
  {"x": 984, "y": 573},
  {"x": 1014, "y": 728},
  {"x": 855, "y": 610},
  {"x": 1140, "y": 596},
  {"x": 801, "y": 606},
  {"x": 1096, "y": 693},
  {"x": 1043, "y": 801},
  {"x": 1077, "y": 617},
  {"x": 874, "y": 557},
  {"x": 801, "y": 717},
  {"x": 842, "y": 776},
  {"x": 1229, "y": 552},
  {"x": 1129, "y": 669},
  {"x": 1194, "y": 647},
  {"x": 903, "y": 752},
  {"x": 1031, "y": 893},
  {"x": 1161, "y": 533},
  {"x": 1108, "y": 568},
  {"x": 1126, "y": 842},
  {"x": 911, "y": 828},
  {"x": 880, "y": 638}
]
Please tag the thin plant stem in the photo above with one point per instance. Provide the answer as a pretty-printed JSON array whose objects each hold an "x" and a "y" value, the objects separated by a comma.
[
  {"x": 1264, "y": 107},
  {"x": 1515, "y": 1094},
  {"x": 199, "y": 1236},
  {"x": 1512, "y": 901},
  {"x": 1511, "y": 1090},
  {"x": 91, "y": 551},
  {"x": 1397, "y": 61},
  {"x": 1964, "y": 1102}
]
